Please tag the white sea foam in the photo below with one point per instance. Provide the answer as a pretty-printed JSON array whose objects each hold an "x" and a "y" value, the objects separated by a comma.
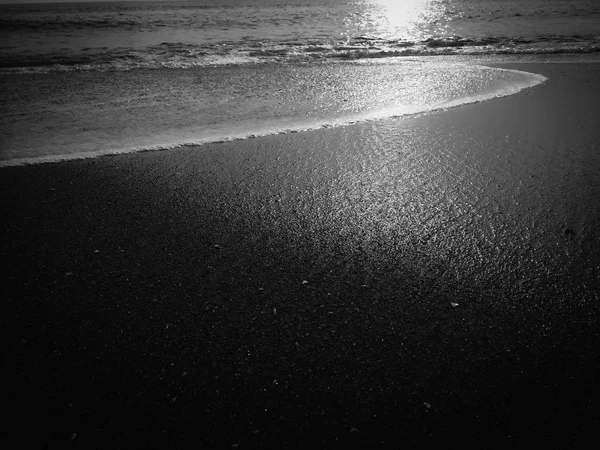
[{"x": 170, "y": 109}]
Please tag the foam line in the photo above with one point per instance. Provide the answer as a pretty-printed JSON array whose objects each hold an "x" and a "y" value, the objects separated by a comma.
[{"x": 522, "y": 80}]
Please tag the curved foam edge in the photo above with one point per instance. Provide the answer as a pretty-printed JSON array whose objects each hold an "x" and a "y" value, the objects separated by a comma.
[{"x": 533, "y": 80}]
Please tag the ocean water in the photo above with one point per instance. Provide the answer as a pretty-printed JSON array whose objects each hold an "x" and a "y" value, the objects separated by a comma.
[
  {"x": 117, "y": 35},
  {"x": 82, "y": 79}
]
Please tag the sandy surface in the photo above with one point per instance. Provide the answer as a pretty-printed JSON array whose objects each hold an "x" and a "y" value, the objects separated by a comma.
[{"x": 388, "y": 284}]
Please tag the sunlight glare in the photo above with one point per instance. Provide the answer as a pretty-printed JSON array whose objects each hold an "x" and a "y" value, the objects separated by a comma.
[{"x": 403, "y": 18}]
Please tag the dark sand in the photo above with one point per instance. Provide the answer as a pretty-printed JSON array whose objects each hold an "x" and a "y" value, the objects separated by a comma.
[{"x": 295, "y": 291}]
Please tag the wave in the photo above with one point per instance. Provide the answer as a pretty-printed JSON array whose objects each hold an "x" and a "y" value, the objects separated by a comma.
[
  {"x": 514, "y": 82},
  {"x": 184, "y": 55}
]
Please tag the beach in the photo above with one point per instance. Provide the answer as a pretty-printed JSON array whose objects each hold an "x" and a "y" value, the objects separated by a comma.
[{"x": 420, "y": 281}]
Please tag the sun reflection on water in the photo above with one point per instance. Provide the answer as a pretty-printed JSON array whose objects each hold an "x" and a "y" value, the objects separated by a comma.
[{"x": 404, "y": 19}]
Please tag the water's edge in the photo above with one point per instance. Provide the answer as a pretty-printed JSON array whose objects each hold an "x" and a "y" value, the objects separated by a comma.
[{"x": 532, "y": 80}]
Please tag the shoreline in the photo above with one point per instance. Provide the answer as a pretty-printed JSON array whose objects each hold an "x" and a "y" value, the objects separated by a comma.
[
  {"x": 416, "y": 281},
  {"x": 87, "y": 139}
]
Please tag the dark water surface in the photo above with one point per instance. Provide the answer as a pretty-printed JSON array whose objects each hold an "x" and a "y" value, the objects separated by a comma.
[{"x": 119, "y": 36}]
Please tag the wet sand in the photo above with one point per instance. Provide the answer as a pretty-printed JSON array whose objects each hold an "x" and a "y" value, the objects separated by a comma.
[{"x": 412, "y": 282}]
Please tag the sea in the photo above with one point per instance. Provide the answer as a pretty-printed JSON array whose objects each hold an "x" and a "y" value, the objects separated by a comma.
[{"x": 80, "y": 80}]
